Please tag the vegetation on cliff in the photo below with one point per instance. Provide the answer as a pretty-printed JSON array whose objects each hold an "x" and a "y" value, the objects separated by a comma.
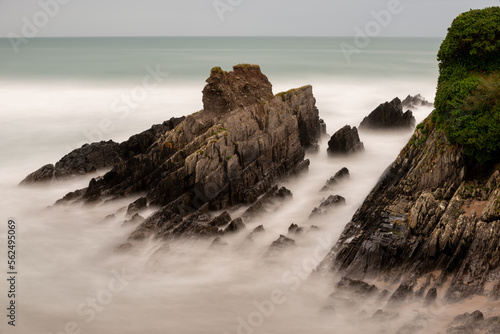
[{"x": 468, "y": 95}]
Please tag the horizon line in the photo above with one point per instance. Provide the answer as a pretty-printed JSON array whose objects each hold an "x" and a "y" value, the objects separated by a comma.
[{"x": 229, "y": 36}]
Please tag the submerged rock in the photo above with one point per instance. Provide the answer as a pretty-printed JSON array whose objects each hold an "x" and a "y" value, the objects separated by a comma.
[
  {"x": 340, "y": 176},
  {"x": 282, "y": 242},
  {"x": 331, "y": 202},
  {"x": 268, "y": 202},
  {"x": 218, "y": 243},
  {"x": 236, "y": 225},
  {"x": 413, "y": 102},
  {"x": 388, "y": 115},
  {"x": 136, "y": 219},
  {"x": 345, "y": 141},
  {"x": 357, "y": 287},
  {"x": 137, "y": 206}
]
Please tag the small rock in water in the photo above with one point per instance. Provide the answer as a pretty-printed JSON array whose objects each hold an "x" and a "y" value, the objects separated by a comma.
[
  {"x": 340, "y": 176},
  {"x": 331, "y": 202},
  {"x": 235, "y": 226},
  {"x": 345, "y": 141}
]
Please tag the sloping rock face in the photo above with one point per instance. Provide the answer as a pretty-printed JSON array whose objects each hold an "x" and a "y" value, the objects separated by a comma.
[
  {"x": 340, "y": 176},
  {"x": 433, "y": 211},
  {"x": 87, "y": 159},
  {"x": 388, "y": 115},
  {"x": 231, "y": 152},
  {"x": 92, "y": 157},
  {"x": 345, "y": 141}
]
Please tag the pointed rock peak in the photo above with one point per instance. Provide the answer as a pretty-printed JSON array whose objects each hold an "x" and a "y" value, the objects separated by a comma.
[{"x": 244, "y": 86}]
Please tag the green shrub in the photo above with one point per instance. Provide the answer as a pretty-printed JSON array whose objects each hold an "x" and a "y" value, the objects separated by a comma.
[{"x": 467, "y": 99}]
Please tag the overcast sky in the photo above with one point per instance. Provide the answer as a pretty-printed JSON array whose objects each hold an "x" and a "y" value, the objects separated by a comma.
[{"x": 231, "y": 17}]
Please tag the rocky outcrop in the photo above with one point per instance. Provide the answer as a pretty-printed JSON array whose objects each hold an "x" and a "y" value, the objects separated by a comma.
[
  {"x": 236, "y": 225},
  {"x": 433, "y": 210},
  {"x": 414, "y": 102},
  {"x": 246, "y": 85},
  {"x": 328, "y": 204},
  {"x": 345, "y": 141},
  {"x": 279, "y": 245},
  {"x": 234, "y": 151},
  {"x": 474, "y": 322},
  {"x": 388, "y": 115},
  {"x": 340, "y": 176}
]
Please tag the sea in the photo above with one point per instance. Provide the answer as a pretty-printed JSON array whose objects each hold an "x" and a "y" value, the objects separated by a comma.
[{"x": 57, "y": 94}]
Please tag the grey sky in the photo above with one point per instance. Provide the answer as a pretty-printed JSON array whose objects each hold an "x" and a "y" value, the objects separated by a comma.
[{"x": 241, "y": 17}]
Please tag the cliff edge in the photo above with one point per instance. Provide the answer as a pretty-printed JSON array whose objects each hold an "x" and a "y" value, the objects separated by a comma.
[{"x": 432, "y": 223}]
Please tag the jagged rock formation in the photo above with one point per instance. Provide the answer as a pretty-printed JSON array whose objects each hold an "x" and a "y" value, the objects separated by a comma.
[
  {"x": 340, "y": 176},
  {"x": 413, "y": 102},
  {"x": 325, "y": 206},
  {"x": 388, "y": 115},
  {"x": 92, "y": 157},
  {"x": 345, "y": 141},
  {"x": 474, "y": 322},
  {"x": 433, "y": 210},
  {"x": 232, "y": 152},
  {"x": 280, "y": 245}
]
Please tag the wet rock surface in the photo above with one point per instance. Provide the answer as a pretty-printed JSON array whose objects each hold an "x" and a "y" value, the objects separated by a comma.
[
  {"x": 388, "y": 115},
  {"x": 345, "y": 141}
]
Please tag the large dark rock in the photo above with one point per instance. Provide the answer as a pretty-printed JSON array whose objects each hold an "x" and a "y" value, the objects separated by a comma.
[
  {"x": 231, "y": 153},
  {"x": 345, "y": 141},
  {"x": 388, "y": 115}
]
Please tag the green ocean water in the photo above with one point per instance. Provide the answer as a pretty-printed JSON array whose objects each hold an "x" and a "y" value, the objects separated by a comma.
[{"x": 116, "y": 59}]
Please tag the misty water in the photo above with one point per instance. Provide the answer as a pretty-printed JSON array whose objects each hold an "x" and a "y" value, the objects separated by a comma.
[{"x": 56, "y": 94}]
